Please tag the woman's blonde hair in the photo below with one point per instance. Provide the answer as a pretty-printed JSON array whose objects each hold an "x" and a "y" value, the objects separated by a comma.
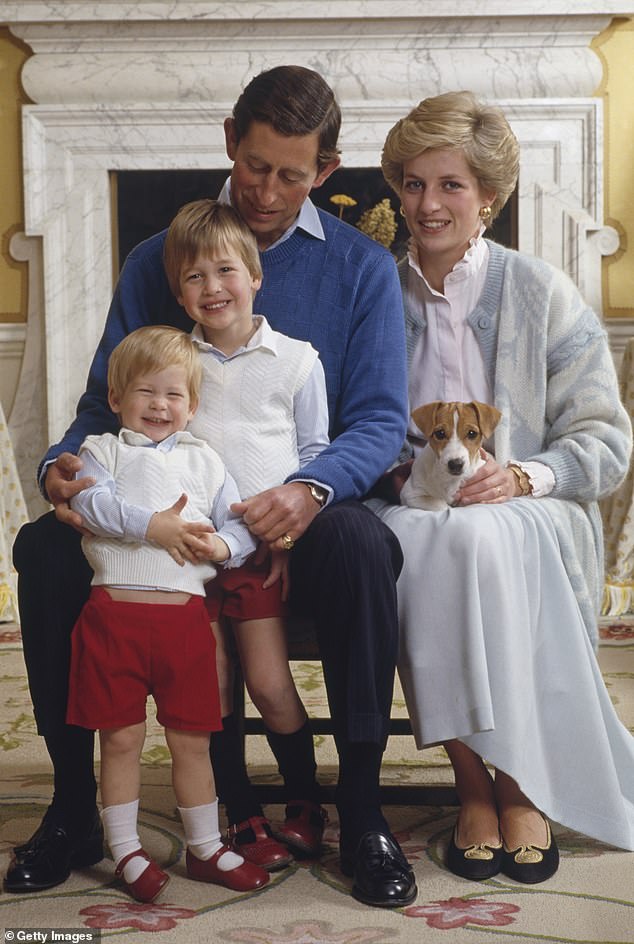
[
  {"x": 207, "y": 227},
  {"x": 149, "y": 350},
  {"x": 457, "y": 121}
]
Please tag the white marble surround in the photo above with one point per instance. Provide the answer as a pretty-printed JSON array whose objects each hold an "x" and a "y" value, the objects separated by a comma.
[{"x": 145, "y": 85}]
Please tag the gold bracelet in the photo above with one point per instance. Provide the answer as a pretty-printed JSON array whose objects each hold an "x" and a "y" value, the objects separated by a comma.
[{"x": 522, "y": 479}]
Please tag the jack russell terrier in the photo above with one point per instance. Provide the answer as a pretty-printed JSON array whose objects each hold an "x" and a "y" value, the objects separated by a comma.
[{"x": 454, "y": 432}]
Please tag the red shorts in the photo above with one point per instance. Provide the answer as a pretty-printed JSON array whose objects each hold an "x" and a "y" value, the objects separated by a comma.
[
  {"x": 237, "y": 593},
  {"x": 122, "y": 652}
]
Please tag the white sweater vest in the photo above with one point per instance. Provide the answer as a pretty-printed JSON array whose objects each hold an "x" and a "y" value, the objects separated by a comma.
[
  {"x": 246, "y": 408},
  {"x": 154, "y": 479}
]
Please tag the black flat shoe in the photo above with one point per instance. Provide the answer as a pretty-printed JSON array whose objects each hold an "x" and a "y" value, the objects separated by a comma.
[
  {"x": 50, "y": 854},
  {"x": 531, "y": 864},
  {"x": 477, "y": 862},
  {"x": 382, "y": 876}
]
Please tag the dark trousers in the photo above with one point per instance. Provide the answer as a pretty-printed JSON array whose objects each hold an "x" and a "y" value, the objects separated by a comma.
[
  {"x": 343, "y": 575},
  {"x": 53, "y": 584}
]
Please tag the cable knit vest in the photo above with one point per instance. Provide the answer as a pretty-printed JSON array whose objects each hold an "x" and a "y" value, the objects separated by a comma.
[
  {"x": 246, "y": 411},
  {"x": 154, "y": 479}
]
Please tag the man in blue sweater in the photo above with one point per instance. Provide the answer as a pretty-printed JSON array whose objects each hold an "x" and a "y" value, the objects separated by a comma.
[{"x": 324, "y": 282}]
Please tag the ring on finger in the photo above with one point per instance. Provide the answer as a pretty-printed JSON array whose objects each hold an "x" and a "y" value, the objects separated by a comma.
[{"x": 287, "y": 542}]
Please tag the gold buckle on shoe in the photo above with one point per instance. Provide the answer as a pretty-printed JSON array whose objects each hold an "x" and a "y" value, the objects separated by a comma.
[{"x": 482, "y": 852}]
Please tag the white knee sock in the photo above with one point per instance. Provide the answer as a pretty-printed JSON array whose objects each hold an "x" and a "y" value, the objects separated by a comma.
[
  {"x": 202, "y": 833},
  {"x": 120, "y": 828}
]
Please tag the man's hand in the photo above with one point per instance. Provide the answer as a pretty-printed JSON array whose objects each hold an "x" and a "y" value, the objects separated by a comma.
[
  {"x": 283, "y": 510},
  {"x": 61, "y": 485},
  {"x": 170, "y": 531}
]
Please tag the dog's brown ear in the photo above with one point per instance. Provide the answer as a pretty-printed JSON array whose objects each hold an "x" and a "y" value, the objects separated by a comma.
[
  {"x": 488, "y": 417},
  {"x": 425, "y": 417}
]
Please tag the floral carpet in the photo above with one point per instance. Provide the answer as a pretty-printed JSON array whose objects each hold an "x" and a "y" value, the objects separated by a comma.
[{"x": 590, "y": 899}]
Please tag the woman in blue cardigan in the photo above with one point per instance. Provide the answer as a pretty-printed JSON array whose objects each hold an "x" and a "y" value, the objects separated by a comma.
[{"x": 499, "y": 595}]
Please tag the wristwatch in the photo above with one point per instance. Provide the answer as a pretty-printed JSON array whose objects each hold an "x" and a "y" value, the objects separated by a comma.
[{"x": 318, "y": 493}]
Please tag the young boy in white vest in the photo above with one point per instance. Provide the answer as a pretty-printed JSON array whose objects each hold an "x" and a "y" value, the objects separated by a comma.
[
  {"x": 145, "y": 628},
  {"x": 264, "y": 410}
]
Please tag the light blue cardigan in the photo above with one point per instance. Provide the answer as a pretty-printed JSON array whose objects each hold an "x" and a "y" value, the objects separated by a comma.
[{"x": 554, "y": 381}]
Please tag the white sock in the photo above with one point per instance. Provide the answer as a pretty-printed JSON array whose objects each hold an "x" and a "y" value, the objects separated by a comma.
[
  {"x": 202, "y": 832},
  {"x": 120, "y": 828}
]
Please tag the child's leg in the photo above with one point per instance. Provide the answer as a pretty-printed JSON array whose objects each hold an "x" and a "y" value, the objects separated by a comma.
[
  {"x": 193, "y": 783},
  {"x": 192, "y": 776},
  {"x": 120, "y": 786},
  {"x": 249, "y": 831},
  {"x": 226, "y": 746},
  {"x": 264, "y": 659},
  {"x": 208, "y": 859},
  {"x": 224, "y": 666},
  {"x": 120, "y": 768}
]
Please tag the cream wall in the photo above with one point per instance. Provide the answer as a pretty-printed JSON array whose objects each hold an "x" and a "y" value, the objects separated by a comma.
[{"x": 615, "y": 47}]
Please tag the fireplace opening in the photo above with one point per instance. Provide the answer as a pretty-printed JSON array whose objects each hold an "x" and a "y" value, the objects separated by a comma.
[{"x": 146, "y": 200}]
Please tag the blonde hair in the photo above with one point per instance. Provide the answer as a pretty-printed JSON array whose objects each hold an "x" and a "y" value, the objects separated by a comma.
[
  {"x": 457, "y": 121},
  {"x": 149, "y": 350},
  {"x": 207, "y": 227}
]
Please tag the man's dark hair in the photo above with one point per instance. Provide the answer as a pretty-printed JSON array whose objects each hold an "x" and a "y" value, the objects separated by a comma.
[{"x": 294, "y": 101}]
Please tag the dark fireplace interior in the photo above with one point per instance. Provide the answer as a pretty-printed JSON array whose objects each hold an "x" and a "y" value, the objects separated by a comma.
[{"x": 146, "y": 201}]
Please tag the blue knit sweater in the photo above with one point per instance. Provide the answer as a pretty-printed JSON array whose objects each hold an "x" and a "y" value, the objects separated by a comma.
[{"x": 342, "y": 294}]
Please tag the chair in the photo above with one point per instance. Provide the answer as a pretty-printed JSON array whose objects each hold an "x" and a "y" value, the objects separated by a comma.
[{"x": 302, "y": 646}]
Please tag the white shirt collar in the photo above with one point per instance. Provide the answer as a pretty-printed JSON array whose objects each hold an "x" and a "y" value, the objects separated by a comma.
[
  {"x": 470, "y": 265},
  {"x": 131, "y": 438},
  {"x": 307, "y": 218},
  {"x": 264, "y": 336}
]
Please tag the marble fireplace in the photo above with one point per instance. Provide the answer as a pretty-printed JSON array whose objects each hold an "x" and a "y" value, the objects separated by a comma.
[{"x": 145, "y": 86}]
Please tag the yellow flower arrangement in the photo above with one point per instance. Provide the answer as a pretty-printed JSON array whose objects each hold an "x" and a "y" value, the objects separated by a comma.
[
  {"x": 379, "y": 222},
  {"x": 342, "y": 200}
]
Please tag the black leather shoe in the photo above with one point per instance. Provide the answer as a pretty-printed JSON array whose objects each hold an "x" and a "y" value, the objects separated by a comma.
[
  {"x": 532, "y": 864},
  {"x": 49, "y": 855},
  {"x": 477, "y": 862},
  {"x": 382, "y": 876}
]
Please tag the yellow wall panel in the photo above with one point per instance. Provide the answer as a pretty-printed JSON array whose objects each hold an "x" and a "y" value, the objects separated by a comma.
[
  {"x": 616, "y": 48},
  {"x": 13, "y": 275}
]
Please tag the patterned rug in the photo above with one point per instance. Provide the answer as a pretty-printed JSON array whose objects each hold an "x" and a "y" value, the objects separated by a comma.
[{"x": 590, "y": 899}]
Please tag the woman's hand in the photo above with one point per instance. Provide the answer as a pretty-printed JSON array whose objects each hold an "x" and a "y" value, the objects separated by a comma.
[{"x": 492, "y": 484}]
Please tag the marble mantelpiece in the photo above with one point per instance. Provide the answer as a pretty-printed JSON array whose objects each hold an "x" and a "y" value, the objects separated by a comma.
[{"x": 117, "y": 52}]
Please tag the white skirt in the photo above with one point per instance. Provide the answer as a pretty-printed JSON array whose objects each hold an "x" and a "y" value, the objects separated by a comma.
[{"x": 494, "y": 652}]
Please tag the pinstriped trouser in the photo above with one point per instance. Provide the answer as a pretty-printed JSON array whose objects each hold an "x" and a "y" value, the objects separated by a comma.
[{"x": 343, "y": 575}]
